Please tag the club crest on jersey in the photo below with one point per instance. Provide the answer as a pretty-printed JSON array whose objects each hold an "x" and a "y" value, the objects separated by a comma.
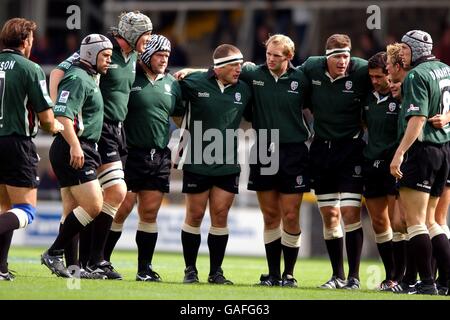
[
  {"x": 392, "y": 106},
  {"x": 348, "y": 85},
  {"x": 299, "y": 180},
  {"x": 294, "y": 85},
  {"x": 64, "y": 96},
  {"x": 167, "y": 87},
  {"x": 237, "y": 96}
]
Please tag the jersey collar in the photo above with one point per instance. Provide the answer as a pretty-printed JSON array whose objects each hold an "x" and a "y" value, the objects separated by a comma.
[
  {"x": 212, "y": 76},
  {"x": 12, "y": 51},
  {"x": 380, "y": 98},
  {"x": 350, "y": 69},
  {"x": 85, "y": 67}
]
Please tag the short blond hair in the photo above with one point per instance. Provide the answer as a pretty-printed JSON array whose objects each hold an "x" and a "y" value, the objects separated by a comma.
[
  {"x": 393, "y": 53},
  {"x": 285, "y": 41}
]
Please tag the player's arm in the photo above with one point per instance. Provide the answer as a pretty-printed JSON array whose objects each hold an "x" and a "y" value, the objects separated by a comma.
[
  {"x": 48, "y": 122},
  {"x": 180, "y": 74},
  {"x": 76, "y": 153},
  {"x": 413, "y": 130},
  {"x": 440, "y": 120},
  {"x": 55, "y": 78}
]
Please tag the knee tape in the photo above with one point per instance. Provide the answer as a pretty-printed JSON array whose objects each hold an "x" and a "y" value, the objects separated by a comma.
[
  {"x": 112, "y": 176},
  {"x": 24, "y": 212}
]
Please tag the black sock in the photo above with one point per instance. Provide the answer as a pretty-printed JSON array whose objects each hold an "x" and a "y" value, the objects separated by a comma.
[
  {"x": 8, "y": 222},
  {"x": 5, "y": 244},
  {"x": 111, "y": 241},
  {"x": 146, "y": 243},
  {"x": 71, "y": 227},
  {"x": 441, "y": 251},
  {"x": 411, "y": 267},
  {"x": 71, "y": 250},
  {"x": 290, "y": 258},
  {"x": 386, "y": 254},
  {"x": 335, "y": 248},
  {"x": 191, "y": 244},
  {"x": 217, "y": 245},
  {"x": 399, "y": 255},
  {"x": 353, "y": 244},
  {"x": 273, "y": 255},
  {"x": 100, "y": 229},
  {"x": 422, "y": 254},
  {"x": 85, "y": 245}
]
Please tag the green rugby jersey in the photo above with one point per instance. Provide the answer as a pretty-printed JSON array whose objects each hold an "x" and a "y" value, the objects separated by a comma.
[
  {"x": 426, "y": 92},
  {"x": 337, "y": 104},
  {"x": 116, "y": 83},
  {"x": 210, "y": 108},
  {"x": 66, "y": 64},
  {"x": 277, "y": 104},
  {"x": 80, "y": 100},
  {"x": 149, "y": 108},
  {"x": 381, "y": 116},
  {"x": 23, "y": 94}
]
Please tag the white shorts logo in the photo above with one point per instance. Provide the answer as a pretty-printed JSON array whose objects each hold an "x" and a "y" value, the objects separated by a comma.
[{"x": 64, "y": 96}]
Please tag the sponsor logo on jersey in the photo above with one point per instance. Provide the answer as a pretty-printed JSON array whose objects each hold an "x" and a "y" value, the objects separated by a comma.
[
  {"x": 412, "y": 107},
  {"x": 113, "y": 66},
  {"x": 64, "y": 96},
  {"x": 258, "y": 83},
  {"x": 316, "y": 82},
  {"x": 136, "y": 88},
  {"x": 192, "y": 185},
  {"x": 59, "y": 108},
  {"x": 203, "y": 94},
  {"x": 88, "y": 173},
  {"x": 109, "y": 154}
]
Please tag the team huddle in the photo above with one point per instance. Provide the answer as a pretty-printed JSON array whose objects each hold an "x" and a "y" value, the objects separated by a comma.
[{"x": 345, "y": 128}]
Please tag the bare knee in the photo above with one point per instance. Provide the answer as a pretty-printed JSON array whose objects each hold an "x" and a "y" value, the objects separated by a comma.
[
  {"x": 115, "y": 194},
  {"x": 291, "y": 221},
  {"x": 330, "y": 216}
]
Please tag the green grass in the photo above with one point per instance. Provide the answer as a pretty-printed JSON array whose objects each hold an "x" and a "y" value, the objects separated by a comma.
[{"x": 34, "y": 281}]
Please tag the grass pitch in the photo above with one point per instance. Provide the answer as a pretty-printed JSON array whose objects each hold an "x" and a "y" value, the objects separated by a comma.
[{"x": 34, "y": 281}]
